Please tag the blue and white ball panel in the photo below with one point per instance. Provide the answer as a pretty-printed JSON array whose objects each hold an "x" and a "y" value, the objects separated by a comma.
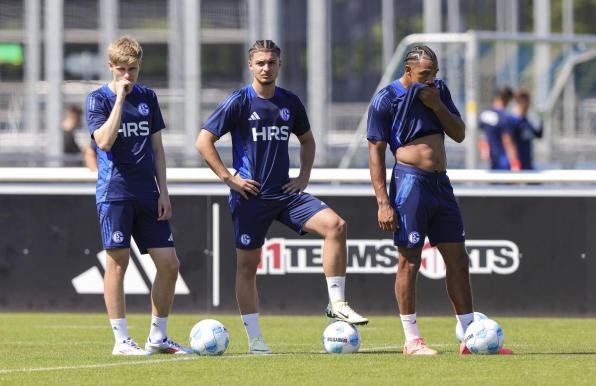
[
  {"x": 341, "y": 338},
  {"x": 252, "y": 217},
  {"x": 119, "y": 220},
  {"x": 426, "y": 205}
]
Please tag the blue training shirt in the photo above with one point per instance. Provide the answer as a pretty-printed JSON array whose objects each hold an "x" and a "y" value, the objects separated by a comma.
[
  {"x": 523, "y": 133},
  {"x": 495, "y": 123},
  {"x": 260, "y": 130},
  {"x": 127, "y": 170},
  {"x": 397, "y": 116}
]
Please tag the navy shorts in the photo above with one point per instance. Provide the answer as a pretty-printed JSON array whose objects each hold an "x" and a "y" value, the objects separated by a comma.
[
  {"x": 426, "y": 206},
  {"x": 253, "y": 216},
  {"x": 119, "y": 220}
]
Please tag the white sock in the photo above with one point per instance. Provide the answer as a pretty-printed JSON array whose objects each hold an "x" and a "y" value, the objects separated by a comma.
[
  {"x": 157, "y": 333},
  {"x": 251, "y": 324},
  {"x": 465, "y": 320},
  {"x": 120, "y": 329},
  {"x": 336, "y": 286},
  {"x": 410, "y": 326}
]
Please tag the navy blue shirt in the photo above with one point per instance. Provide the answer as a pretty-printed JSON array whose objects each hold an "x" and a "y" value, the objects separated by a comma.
[
  {"x": 127, "y": 170},
  {"x": 523, "y": 133},
  {"x": 397, "y": 116},
  {"x": 495, "y": 123},
  {"x": 260, "y": 130}
]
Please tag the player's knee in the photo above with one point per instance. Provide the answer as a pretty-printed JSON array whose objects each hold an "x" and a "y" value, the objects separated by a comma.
[
  {"x": 117, "y": 267},
  {"x": 338, "y": 228},
  {"x": 117, "y": 261},
  {"x": 170, "y": 267},
  {"x": 409, "y": 265},
  {"x": 460, "y": 264},
  {"x": 247, "y": 268}
]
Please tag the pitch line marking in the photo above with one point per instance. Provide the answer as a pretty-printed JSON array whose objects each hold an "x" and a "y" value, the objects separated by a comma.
[{"x": 185, "y": 358}]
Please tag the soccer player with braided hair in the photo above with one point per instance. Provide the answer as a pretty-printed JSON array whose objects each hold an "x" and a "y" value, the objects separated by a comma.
[{"x": 413, "y": 114}]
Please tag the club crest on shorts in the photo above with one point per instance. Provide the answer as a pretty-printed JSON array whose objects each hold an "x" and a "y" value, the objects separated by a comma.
[
  {"x": 117, "y": 237},
  {"x": 285, "y": 114},
  {"x": 143, "y": 109},
  {"x": 414, "y": 237},
  {"x": 245, "y": 239}
]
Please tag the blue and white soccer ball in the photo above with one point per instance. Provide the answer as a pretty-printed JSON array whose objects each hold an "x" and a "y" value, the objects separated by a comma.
[
  {"x": 484, "y": 336},
  {"x": 209, "y": 337},
  {"x": 341, "y": 338},
  {"x": 459, "y": 331}
]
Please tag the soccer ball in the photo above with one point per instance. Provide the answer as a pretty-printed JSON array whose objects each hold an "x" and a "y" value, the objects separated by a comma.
[
  {"x": 209, "y": 337},
  {"x": 341, "y": 338},
  {"x": 459, "y": 331},
  {"x": 484, "y": 336}
]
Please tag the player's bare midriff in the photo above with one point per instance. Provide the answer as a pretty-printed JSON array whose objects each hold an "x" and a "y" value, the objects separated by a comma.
[{"x": 426, "y": 153}]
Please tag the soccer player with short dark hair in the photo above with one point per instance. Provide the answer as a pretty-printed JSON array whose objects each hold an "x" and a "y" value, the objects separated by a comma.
[
  {"x": 523, "y": 131},
  {"x": 260, "y": 118},
  {"x": 496, "y": 122},
  {"x": 125, "y": 122},
  {"x": 413, "y": 114}
]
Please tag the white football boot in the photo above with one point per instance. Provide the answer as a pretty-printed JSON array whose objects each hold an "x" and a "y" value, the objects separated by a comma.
[
  {"x": 340, "y": 310},
  {"x": 129, "y": 347},
  {"x": 257, "y": 345},
  {"x": 166, "y": 346}
]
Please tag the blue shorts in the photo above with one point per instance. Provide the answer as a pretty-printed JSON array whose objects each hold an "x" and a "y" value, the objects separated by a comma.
[
  {"x": 253, "y": 216},
  {"x": 426, "y": 206},
  {"x": 119, "y": 220}
]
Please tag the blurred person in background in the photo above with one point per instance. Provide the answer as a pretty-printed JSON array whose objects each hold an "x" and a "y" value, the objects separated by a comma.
[
  {"x": 499, "y": 150},
  {"x": 73, "y": 118},
  {"x": 260, "y": 118},
  {"x": 523, "y": 132},
  {"x": 412, "y": 115},
  {"x": 125, "y": 121},
  {"x": 75, "y": 155}
]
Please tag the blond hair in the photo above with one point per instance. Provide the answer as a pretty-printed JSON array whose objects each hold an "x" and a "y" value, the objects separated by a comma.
[{"x": 125, "y": 50}]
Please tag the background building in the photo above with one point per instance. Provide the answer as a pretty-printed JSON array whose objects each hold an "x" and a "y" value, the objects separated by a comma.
[{"x": 52, "y": 53}]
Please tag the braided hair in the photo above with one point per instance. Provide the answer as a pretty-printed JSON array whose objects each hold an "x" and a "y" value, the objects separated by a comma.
[
  {"x": 264, "y": 46},
  {"x": 417, "y": 53}
]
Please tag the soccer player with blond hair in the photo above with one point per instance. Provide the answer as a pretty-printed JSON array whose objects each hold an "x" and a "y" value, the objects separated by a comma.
[{"x": 125, "y": 121}]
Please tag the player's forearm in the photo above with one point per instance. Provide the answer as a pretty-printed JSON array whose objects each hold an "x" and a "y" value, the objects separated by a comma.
[
  {"x": 160, "y": 171},
  {"x": 307, "y": 158},
  {"x": 378, "y": 176},
  {"x": 106, "y": 135},
  {"x": 209, "y": 153},
  {"x": 453, "y": 125}
]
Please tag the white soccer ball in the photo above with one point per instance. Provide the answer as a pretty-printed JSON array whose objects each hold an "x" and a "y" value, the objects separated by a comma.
[
  {"x": 341, "y": 338},
  {"x": 459, "y": 331},
  {"x": 209, "y": 337},
  {"x": 484, "y": 336}
]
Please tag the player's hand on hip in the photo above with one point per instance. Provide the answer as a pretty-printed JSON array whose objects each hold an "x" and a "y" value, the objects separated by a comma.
[
  {"x": 123, "y": 87},
  {"x": 244, "y": 187},
  {"x": 430, "y": 97},
  {"x": 296, "y": 185},
  {"x": 164, "y": 208},
  {"x": 387, "y": 218}
]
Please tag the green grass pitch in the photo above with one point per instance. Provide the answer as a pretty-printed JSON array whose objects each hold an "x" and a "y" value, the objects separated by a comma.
[{"x": 75, "y": 349}]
